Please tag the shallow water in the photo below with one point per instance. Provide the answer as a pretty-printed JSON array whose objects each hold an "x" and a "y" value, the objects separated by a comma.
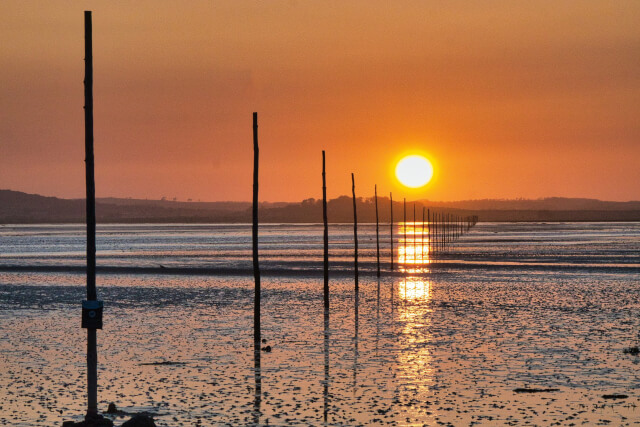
[
  {"x": 297, "y": 248},
  {"x": 447, "y": 345}
]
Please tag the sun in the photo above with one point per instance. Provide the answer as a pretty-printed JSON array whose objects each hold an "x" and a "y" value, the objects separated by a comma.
[{"x": 414, "y": 171}]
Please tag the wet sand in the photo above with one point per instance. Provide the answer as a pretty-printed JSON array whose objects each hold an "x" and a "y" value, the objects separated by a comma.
[{"x": 443, "y": 348}]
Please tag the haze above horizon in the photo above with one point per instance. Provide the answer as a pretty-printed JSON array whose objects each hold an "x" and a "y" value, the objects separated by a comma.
[{"x": 507, "y": 99}]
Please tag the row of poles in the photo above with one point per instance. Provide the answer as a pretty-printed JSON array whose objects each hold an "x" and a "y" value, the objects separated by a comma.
[
  {"x": 430, "y": 237},
  {"x": 442, "y": 229}
]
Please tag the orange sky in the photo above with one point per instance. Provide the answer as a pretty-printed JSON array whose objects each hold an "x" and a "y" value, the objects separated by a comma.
[{"x": 510, "y": 99}]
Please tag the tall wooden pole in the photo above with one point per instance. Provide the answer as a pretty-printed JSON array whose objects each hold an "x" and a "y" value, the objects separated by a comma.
[
  {"x": 375, "y": 192},
  {"x": 256, "y": 265},
  {"x": 326, "y": 292},
  {"x": 92, "y": 354},
  {"x": 326, "y": 234},
  {"x": 391, "y": 226},
  {"x": 355, "y": 232}
]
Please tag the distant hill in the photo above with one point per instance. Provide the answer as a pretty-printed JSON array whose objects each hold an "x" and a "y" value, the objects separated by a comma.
[
  {"x": 549, "y": 203},
  {"x": 17, "y": 207}
]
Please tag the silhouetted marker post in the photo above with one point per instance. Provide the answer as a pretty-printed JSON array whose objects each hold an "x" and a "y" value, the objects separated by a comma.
[
  {"x": 447, "y": 230},
  {"x": 429, "y": 232},
  {"x": 439, "y": 224},
  {"x": 422, "y": 238},
  {"x": 391, "y": 226},
  {"x": 326, "y": 235},
  {"x": 91, "y": 308},
  {"x": 256, "y": 265},
  {"x": 440, "y": 233},
  {"x": 404, "y": 227},
  {"x": 415, "y": 237},
  {"x": 256, "y": 275},
  {"x": 436, "y": 236},
  {"x": 355, "y": 232},
  {"x": 375, "y": 195}
]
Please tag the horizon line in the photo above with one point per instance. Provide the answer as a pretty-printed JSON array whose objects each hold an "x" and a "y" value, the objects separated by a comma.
[{"x": 191, "y": 200}]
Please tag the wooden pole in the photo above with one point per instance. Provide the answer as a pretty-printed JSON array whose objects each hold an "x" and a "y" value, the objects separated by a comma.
[
  {"x": 415, "y": 237},
  {"x": 92, "y": 353},
  {"x": 441, "y": 231},
  {"x": 355, "y": 232},
  {"x": 422, "y": 238},
  {"x": 437, "y": 233},
  {"x": 445, "y": 229},
  {"x": 444, "y": 232},
  {"x": 256, "y": 265},
  {"x": 326, "y": 234},
  {"x": 404, "y": 226},
  {"x": 375, "y": 192},
  {"x": 391, "y": 225},
  {"x": 429, "y": 248}
]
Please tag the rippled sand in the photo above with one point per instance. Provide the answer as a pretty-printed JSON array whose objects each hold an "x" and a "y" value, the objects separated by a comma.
[{"x": 448, "y": 347}]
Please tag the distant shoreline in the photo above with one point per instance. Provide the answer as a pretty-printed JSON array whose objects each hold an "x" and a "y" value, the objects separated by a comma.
[
  {"x": 519, "y": 217},
  {"x": 22, "y": 208}
]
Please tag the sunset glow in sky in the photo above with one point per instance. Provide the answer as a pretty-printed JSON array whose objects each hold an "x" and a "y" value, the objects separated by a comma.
[{"x": 507, "y": 99}]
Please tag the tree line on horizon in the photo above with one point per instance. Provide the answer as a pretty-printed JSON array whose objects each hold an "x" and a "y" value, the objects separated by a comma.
[{"x": 17, "y": 207}]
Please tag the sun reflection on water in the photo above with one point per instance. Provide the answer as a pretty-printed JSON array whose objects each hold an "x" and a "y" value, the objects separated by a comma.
[
  {"x": 413, "y": 247},
  {"x": 413, "y": 244},
  {"x": 415, "y": 289},
  {"x": 415, "y": 359}
]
